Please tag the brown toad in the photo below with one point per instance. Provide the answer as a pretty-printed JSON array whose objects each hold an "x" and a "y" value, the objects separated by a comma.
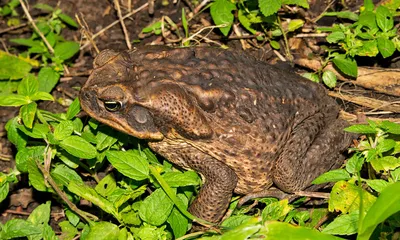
[{"x": 242, "y": 124}]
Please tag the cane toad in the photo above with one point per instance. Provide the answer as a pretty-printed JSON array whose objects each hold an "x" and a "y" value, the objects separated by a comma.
[{"x": 242, "y": 124}]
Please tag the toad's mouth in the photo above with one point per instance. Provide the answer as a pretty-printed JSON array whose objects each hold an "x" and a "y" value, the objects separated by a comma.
[{"x": 92, "y": 106}]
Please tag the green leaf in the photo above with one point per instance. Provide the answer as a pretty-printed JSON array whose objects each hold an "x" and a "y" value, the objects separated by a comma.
[
  {"x": 354, "y": 164},
  {"x": 269, "y": 7},
  {"x": 345, "y": 197},
  {"x": 243, "y": 18},
  {"x": 68, "y": 20},
  {"x": 67, "y": 230},
  {"x": 44, "y": 7},
  {"x": 36, "y": 178},
  {"x": 221, "y": 13},
  {"x": 72, "y": 217},
  {"x": 12, "y": 67},
  {"x": 185, "y": 23},
  {"x": 16, "y": 228},
  {"x": 4, "y": 188},
  {"x": 28, "y": 86},
  {"x": 363, "y": 129},
  {"x": 47, "y": 78},
  {"x": 385, "y": 206},
  {"x": 275, "y": 44},
  {"x": 129, "y": 163},
  {"x": 385, "y": 145},
  {"x": 369, "y": 49},
  {"x": 335, "y": 37},
  {"x": 385, "y": 163},
  {"x": 106, "y": 186},
  {"x": 104, "y": 138},
  {"x": 301, "y": 3},
  {"x": 66, "y": 50},
  {"x": 367, "y": 18},
  {"x": 369, "y": 5},
  {"x": 386, "y": 47},
  {"x": 38, "y": 131},
  {"x": 156, "y": 208},
  {"x": 13, "y": 135},
  {"x": 345, "y": 224},
  {"x": 26, "y": 42},
  {"x": 73, "y": 109},
  {"x": 311, "y": 76},
  {"x": 346, "y": 65},
  {"x": 103, "y": 230},
  {"x": 78, "y": 147},
  {"x": 42, "y": 96},
  {"x": 177, "y": 179},
  {"x": 332, "y": 176},
  {"x": 64, "y": 175},
  {"x": 28, "y": 113},
  {"x": 276, "y": 210},
  {"x": 41, "y": 214},
  {"x": 13, "y": 100},
  {"x": 63, "y": 130},
  {"x": 384, "y": 18},
  {"x": 295, "y": 24},
  {"x": 178, "y": 223},
  {"x": 377, "y": 184},
  {"x": 329, "y": 78},
  {"x": 391, "y": 127},
  {"x": 347, "y": 14}
]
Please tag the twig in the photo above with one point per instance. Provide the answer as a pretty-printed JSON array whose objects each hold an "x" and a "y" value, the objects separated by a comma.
[
  {"x": 86, "y": 31},
  {"x": 112, "y": 24},
  {"x": 312, "y": 194},
  {"x": 151, "y": 7},
  {"x": 13, "y": 28},
  {"x": 85, "y": 215},
  {"x": 51, "y": 50},
  {"x": 5, "y": 157},
  {"x": 126, "y": 34},
  {"x": 323, "y": 12},
  {"x": 200, "y": 6},
  {"x": 4, "y": 45},
  {"x": 311, "y": 35}
]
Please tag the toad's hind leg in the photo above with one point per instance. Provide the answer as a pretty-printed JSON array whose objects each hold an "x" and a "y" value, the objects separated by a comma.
[{"x": 296, "y": 168}]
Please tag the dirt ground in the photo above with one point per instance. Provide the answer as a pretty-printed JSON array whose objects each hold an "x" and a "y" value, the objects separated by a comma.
[{"x": 98, "y": 15}]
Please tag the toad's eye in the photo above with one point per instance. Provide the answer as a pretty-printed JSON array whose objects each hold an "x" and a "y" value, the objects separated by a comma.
[{"x": 112, "y": 106}]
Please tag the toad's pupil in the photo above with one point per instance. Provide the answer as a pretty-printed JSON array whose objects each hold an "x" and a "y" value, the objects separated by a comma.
[{"x": 112, "y": 106}]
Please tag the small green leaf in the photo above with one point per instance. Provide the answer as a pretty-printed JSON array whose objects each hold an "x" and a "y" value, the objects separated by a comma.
[
  {"x": 369, "y": 5},
  {"x": 72, "y": 217},
  {"x": 47, "y": 78},
  {"x": 73, "y": 109},
  {"x": 44, "y": 7},
  {"x": 26, "y": 42},
  {"x": 367, "y": 18},
  {"x": 42, "y": 96},
  {"x": 28, "y": 113},
  {"x": 385, "y": 145},
  {"x": 13, "y": 100},
  {"x": 177, "y": 179},
  {"x": 14, "y": 135},
  {"x": 63, "y": 130},
  {"x": 329, "y": 78},
  {"x": 105, "y": 138},
  {"x": 4, "y": 189},
  {"x": 386, "y": 47},
  {"x": 78, "y": 147},
  {"x": 301, "y": 3},
  {"x": 41, "y": 214},
  {"x": 346, "y": 224},
  {"x": 391, "y": 127},
  {"x": 335, "y": 37},
  {"x": 156, "y": 208},
  {"x": 311, "y": 76},
  {"x": 68, "y": 20},
  {"x": 18, "y": 228},
  {"x": 67, "y": 230},
  {"x": 66, "y": 50},
  {"x": 332, "y": 176},
  {"x": 384, "y": 18},
  {"x": 36, "y": 178},
  {"x": 346, "y": 65},
  {"x": 38, "y": 131},
  {"x": 385, "y": 163},
  {"x": 28, "y": 86},
  {"x": 369, "y": 49},
  {"x": 243, "y": 18},
  {"x": 221, "y": 13},
  {"x": 295, "y": 24},
  {"x": 12, "y": 67},
  {"x": 354, "y": 164},
  {"x": 377, "y": 184},
  {"x": 106, "y": 186},
  {"x": 275, "y": 44},
  {"x": 129, "y": 164},
  {"x": 347, "y": 14},
  {"x": 359, "y": 128},
  {"x": 64, "y": 175},
  {"x": 23, "y": 155},
  {"x": 276, "y": 210},
  {"x": 103, "y": 231},
  {"x": 269, "y": 7}
]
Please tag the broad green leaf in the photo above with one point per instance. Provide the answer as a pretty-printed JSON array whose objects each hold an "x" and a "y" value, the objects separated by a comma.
[
  {"x": 132, "y": 218},
  {"x": 28, "y": 86},
  {"x": 386, "y": 47},
  {"x": 14, "y": 135},
  {"x": 369, "y": 49},
  {"x": 276, "y": 210},
  {"x": 67, "y": 230},
  {"x": 148, "y": 232},
  {"x": 105, "y": 138},
  {"x": 64, "y": 175},
  {"x": 332, "y": 176},
  {"x": 38, "y": 131},
  {"x": 395, "y": 174},
  {"x": 385, "y": 145},
  {"x": 354, "y": 164},
  {"x": 41, "y": 214},
  {"x": 4, "y": 188},
  {"x": 12, "y": 67},
  {"x": 369, "y": 5},
  {"x": 335, "y": 37},
  {"x": 27, "y": 42},
  {"x": 103, "y": 231},
  {"x": 72, "y": 217},
  {"x": 178, "y": 223},
  {"x": 391, "y": 127},
  {"x": 106, "y": 186},
  {"x": 345, "y": 224},
  {"x": 301, "y": 3},
  {"x": 129, "y": 164},
  {"x": 47, "y": 78},
  {"x": 36, "y": 178},
  {"x": 385, "y": 206},
  {"x": 17, "y": 228},
  {"x": 269, "y": 7},
  {"x": 156, "y": 208},
  {"x": 88, "y": 193},
  {"x": 346, "y": 65},
  {"x": 48, "y": 233},
  {"x": 63, "y": 130},
  {"x": 42, "y": 96},
  {"x": 385, "y": 163},
  {"x": 295, "y": 24},
  {"x": 345, "y": 197},
  {"x": 245, "y": 21},
  {"x": 221, "y": 13},
  {"x": 13, "y": 100},
  {"x": 235, "y": 220},
  {"x": 347, "y": 14},
  {"x": 66, "y": 50},
  {"x": 36, "y": 153},
  {"x": 78, "y": 147},
  {"x": 392, "y": 5},
  {"x": 28, "y": 113},
  {"x": 73, "y": 109},
  {"x": 377, "y": 184},
  {"x": 329, "y": 78},
  {"x": 368, "y": 19},
  {"x": 177, "y": 179},
  {"x": 384, "y": 18},
  {"x": 359, "y": 128},
  {"x": 68, "y": 20}
]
